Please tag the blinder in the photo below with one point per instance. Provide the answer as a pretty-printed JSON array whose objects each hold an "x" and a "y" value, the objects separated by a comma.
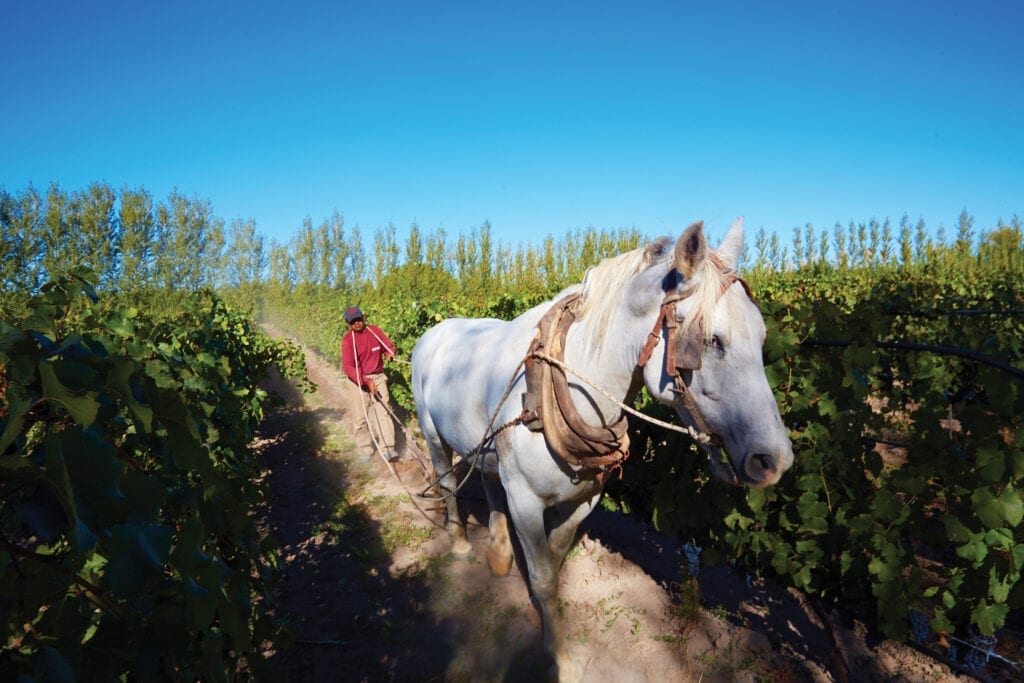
[{"x": 690, "y": 347}]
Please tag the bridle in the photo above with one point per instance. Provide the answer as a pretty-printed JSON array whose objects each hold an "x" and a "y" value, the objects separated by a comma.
[{"x": 692, "y": 344}]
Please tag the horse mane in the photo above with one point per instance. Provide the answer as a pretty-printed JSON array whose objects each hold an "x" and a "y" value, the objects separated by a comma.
[
  {"x": 707, "y": 289},
  {"x": 604, "y": 285}
]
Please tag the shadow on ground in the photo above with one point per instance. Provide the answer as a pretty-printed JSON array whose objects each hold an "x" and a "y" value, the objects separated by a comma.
[{"x": 349, "y": 618}]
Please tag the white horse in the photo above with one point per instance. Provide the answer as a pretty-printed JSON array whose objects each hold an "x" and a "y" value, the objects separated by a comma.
[{"x": 657, "y": 302}]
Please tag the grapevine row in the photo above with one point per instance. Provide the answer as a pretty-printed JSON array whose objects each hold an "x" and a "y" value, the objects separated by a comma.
[{"x": 127, "y": 490}]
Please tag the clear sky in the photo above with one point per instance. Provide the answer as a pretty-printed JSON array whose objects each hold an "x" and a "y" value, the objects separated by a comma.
[{"x": 539, "y": 117}]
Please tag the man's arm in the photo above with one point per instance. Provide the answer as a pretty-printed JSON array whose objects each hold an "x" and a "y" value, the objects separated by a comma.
[
  {"x": 389, "y": 346},
  {"x": 348, "y": 359}
]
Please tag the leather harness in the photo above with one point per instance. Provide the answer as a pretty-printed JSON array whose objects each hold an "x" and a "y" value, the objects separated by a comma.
[{"x": 548, "y": 404}]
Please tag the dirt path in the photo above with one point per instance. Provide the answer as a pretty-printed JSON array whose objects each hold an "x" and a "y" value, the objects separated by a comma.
[{"x": 372, "y": 593}]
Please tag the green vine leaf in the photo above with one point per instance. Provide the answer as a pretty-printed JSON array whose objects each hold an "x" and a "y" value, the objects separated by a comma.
[{"x": 82, "y": 409}]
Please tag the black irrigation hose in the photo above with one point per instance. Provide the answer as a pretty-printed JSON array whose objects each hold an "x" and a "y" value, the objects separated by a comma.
[{"x": 931, "y": 348}]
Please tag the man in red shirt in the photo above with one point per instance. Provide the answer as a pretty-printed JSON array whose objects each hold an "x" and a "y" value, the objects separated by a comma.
[{"x": 363, "y": 351}]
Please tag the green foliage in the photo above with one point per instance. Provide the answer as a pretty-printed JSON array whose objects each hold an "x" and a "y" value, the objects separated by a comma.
[
  {"x": 907, "y": 487},
  {"x": 127, "y": 489}
]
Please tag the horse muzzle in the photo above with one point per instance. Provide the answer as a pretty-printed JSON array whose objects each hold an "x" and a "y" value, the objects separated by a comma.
[
  {"x": 764, "y": 469},
  {"x": 759, "y": 469}
]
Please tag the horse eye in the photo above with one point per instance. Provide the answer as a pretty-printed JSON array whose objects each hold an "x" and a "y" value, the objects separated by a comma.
[{"x": 716, "y": 344}]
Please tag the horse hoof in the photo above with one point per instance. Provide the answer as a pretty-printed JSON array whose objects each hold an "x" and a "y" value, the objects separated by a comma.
[
  {"x": 500, "y": 564},
  {"x": 566, "y": 670},
  {"x": 461, "y": 547}
]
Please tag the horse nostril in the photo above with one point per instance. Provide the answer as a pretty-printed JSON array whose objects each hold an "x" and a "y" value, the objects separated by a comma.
[{"x": 762, "y": 464}]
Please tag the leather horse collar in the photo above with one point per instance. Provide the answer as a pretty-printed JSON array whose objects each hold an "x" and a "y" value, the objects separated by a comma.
[{"x": 548, "y": 404}]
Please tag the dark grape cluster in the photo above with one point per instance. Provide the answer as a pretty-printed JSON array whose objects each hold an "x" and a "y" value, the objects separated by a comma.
[
  {"x": 692, "y": 551},
  {"x": 978, "y": 651},
  {"x": 919, "y": 626},
  {"x": 975, "y": 660}
]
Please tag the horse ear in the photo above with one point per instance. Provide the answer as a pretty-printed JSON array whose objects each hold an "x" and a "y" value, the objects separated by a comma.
[
  {"x": 656, "y": 250},
  {"x": 732, "y": 244},
  {"x": 691, "y": 249}
]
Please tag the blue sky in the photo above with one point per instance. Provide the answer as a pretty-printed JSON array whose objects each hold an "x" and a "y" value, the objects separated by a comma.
[{"x": 540, "y": 117}]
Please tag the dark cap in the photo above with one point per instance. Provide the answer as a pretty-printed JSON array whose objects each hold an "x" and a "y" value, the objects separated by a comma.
[{"x": 352, "y": 313}]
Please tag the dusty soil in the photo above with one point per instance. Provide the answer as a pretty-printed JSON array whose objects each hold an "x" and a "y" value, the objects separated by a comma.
[{"x": 371, "y": 593}]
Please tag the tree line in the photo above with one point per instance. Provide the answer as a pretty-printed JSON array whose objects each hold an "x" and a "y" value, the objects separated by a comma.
[
  {"x": 875, "y": 244},
  {"x": 138, "y": 243}
]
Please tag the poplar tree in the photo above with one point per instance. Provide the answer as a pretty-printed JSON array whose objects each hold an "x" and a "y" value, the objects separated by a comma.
[
  {"x": 874, "y": 234},
  {"x": 885, "y": 247},
  {"x": 21, "y": 247},
  {"x": 385, "y": 252},
  {"x": 465, "y": 254},
  {"x": 532, "y": 274},
  {"x": 304, "y": 254},
  {"x": 413, "y": 245},
  {"x": 922, "y": 244},
  {"x": 485, "y": 265},
  {"x": 823, "y": 247},
  {"x": 246, "y": 259},
  {"x": 964, "y": 232},
  {"x": 776, "y": 253},
  {"x": 798, "y": 247},
  {"x": 859, "y": 239},
  {"x": 1003, "y": 248},
  {"x": 810, "y": 245},
  {"x": 324, "y": 254},
  {"x": 761, "y": 246},
  {"x": 906, "y": 257},
  {"x": 340, "y": 252},
  {"x": 96, "y": 230},
  {"x": 357, "y": 259},
  {"x": 59, "y": 248},
  {"x": 504, "y": 274},
  {"x": 281, "y": 267},
  {"x": 437, "y": 250},
  {"x": 190, "y": 243},
  {"x": 550, "y": 262},
  {"x": 839, "y": 242},
  {"x": 138, "y": 235}
]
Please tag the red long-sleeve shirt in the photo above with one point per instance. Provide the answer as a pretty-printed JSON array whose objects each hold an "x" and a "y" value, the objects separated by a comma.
[{"x": 371, "y": 345}]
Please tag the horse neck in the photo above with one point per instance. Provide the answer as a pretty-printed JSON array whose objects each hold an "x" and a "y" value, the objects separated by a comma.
[{"x": 612, "y": 367}]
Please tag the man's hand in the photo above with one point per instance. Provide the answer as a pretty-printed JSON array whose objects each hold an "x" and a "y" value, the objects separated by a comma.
[{"x": 371, "y": 387}]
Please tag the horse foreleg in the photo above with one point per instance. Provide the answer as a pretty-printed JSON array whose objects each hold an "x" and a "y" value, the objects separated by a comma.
[
  {"x": 565, "y": 521},
  {"x": 528, "y": 521},
  {"x": 499, "y": 545}
]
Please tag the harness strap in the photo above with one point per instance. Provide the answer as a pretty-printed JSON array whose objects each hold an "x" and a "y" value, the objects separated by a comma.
[{"x": 549, "y": 407}]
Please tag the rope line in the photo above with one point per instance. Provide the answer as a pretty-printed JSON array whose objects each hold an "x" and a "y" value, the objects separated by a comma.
[{"x": 689, "y": 431}]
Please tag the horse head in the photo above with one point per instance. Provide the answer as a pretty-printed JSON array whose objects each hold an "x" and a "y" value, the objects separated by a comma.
[{"x": 713, "y": 372}]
